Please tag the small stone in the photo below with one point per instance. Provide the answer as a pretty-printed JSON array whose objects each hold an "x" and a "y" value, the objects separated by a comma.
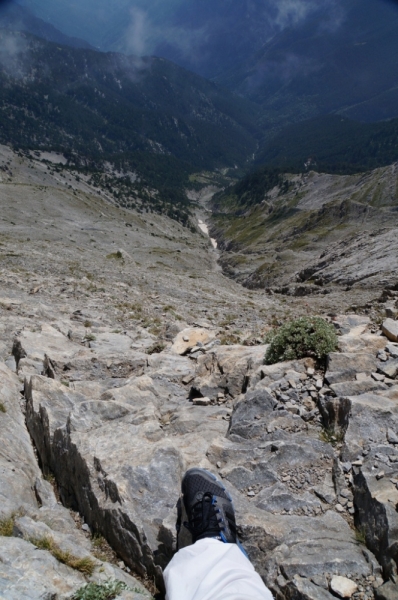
[
  {"x": 86, "y": 528},
  {"x": 185, "y": 338},
  {"x": 380, "y": 475},
  {"x": 390, "y": 369},
  {"x": 251, "y": 494},
  {"x": 339, "y": 508},
  {"x": 310, "y": 371},
  {"x": 381, "y": 355},
  {"x": 281, "y": 581},
  {"x": 201, "y": 401},
  {"x": 358, "y": 463},
  {"x": 292, "y": 384},
  {"x": 378, "y": 582},
  {"x": 390, "y": 329},
  {"x": 121, "y": 565},
  {"x": 392, "y": 437},
  {"x": 319, "y": 384},
  {"x": 393, "y": 350},
  {"x": 219, "y": 465},
  {"x": 347, "y": 466},
  {"x": 343, "y": 587},
  {"x": 324, "y": 391},
  {"x": 378, "y": 377}
]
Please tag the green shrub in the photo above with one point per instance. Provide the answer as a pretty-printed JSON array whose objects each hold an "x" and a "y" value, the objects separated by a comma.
[
  {"x": 102, "y": 591},
  {"x": 306, "y": 336}
]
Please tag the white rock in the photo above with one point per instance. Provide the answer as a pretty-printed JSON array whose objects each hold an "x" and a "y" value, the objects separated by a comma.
[
  {"x": 201, "y": 401},
  {"x": 343, "y": 587},
  {"x": 189, "y": 338},
  {"x": 390, "y": 329}
]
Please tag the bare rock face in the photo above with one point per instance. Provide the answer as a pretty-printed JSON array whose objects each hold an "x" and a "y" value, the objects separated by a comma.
[
  {"x": 30, "y": 512},
  {"x": 118, "y": 454},
  {"x": 113, "y": 417},
  {"x": 298, "y": 461}
]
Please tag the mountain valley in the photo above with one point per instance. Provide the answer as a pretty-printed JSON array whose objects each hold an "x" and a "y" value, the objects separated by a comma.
[
  {"x": 198, "y": 273},
  {"x": 127, "y": 357}
]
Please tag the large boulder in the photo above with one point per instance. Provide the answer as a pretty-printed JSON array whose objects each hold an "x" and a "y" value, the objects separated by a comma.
[{"x": 191, "y": 337}]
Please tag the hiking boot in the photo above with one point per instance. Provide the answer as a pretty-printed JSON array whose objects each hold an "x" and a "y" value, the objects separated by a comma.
[{"x": 209, "y": 507}]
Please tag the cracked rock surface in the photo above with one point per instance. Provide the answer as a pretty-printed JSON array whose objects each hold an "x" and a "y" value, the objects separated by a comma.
[{"x": 118, "y": 374}]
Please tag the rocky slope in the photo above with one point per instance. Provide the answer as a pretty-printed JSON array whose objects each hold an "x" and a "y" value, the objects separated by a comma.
[
  {"x": 312, "y": 234},
  {"x": 116, "y": 376}
]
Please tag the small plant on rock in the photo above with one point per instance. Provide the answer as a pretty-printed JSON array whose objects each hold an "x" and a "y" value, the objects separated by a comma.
[
  {"x": 7, "y": 526},
  {"x": 90, "y": 337},
  {"x": 156, "y": 348},
  {"x": 85, "y": 565},
  {"x": 306, "y": 336},
  {"x": 100, "y": 591},
  {"x": 2, "y": 408},
  {"x": 360, "y": 535},
  {"x": 330, "y": 436}
]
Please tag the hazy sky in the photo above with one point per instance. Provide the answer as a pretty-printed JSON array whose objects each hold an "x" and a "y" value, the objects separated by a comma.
[{"x": 145, "y": 23}]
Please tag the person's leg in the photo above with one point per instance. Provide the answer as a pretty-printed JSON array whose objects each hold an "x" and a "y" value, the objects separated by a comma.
[
  {"x": 214, "y": 567},
  {"x": 212, "y": 570}
]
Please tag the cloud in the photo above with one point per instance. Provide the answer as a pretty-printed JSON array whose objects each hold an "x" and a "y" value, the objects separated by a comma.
[
  {"x": 289, "y": 13},
  {"x": 13, "y": 53},
  {"x": 137, "y": 35}
]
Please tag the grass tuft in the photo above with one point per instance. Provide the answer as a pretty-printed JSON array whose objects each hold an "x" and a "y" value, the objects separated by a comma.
[
  {"x": 156, "y": 348},
  {"x": 329, "y": 436},
  {"x": 2, "y": 408},
  {"x": 115, "y": 255},
  {"x": 360, "y": 535},
  {"x": 7, "y": 526},
  {"x": 85, "y": 565}
]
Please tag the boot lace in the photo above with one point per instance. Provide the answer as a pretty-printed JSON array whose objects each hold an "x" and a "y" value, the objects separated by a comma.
[{"x": 205, "y": 519}]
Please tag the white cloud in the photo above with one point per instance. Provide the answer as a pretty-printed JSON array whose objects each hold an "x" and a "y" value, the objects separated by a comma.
[{"x": 13, "y": 53}]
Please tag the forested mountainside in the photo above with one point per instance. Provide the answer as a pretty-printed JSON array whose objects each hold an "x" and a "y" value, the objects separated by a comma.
[
  {"x": 332, "y": 144},
  {"x": 147, "y": 117},
  {"x": 296, "y": 59},
  {"x": 311, "y": 69}
]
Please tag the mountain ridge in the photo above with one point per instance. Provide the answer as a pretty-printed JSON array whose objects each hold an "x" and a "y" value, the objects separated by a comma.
[
  {"x": 17, "y": 18},
  {"x": 144, "y": 115}
]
